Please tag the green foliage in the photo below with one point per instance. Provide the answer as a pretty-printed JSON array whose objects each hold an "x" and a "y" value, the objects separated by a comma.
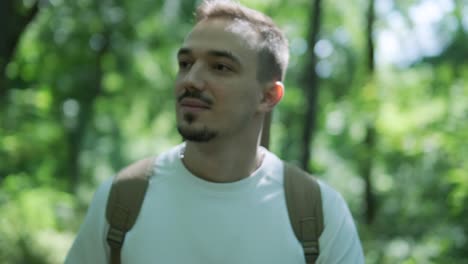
[
  {"x": 35, "y": 222},
  {"x": 90, "y": 90}
]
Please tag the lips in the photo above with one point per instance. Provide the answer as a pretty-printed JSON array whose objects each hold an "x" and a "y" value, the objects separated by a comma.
[{"x": 194, "y": 104}]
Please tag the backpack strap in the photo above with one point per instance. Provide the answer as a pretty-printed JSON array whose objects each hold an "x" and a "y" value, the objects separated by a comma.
[
  {"x": 304, "y": 203},
  {"x": 124, "y": 203}
]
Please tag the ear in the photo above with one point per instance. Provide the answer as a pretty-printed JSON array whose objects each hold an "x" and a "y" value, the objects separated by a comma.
[{"x": 272, "y": 95}]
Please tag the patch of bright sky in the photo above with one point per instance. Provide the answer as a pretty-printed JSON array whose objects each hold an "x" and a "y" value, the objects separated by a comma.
[
  {"x": 341, "y": 36},
  {"x": 323, "y": 48},
  {"x": 402, "y": 44},
  {"x": 465, "y": 18}
]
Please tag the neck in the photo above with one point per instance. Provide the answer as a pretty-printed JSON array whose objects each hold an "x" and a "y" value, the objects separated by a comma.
[{"x": 228, "y": 162}]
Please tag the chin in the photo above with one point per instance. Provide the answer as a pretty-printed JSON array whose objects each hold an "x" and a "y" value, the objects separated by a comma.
[{"x": 190, "y": 133}]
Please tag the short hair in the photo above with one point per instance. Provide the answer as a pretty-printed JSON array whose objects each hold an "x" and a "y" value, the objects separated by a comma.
[{"x": 273, "y": 52}]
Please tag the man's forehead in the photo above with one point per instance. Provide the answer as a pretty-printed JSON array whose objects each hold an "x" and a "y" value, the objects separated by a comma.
[
  {"x": 224, "y": 30},
  {"x": 219, "y": 53}
]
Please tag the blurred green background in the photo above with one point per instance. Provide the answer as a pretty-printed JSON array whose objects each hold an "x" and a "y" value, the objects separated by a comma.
[{"x": 376, "y": 105}]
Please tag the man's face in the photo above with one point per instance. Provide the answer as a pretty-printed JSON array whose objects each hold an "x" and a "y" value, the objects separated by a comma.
[{"x": 217, "y": 89}]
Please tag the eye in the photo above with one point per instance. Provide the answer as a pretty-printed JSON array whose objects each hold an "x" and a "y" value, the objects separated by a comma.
[
  {"x": 184, "y": 64},
  {"x": 221, "y": 67}
]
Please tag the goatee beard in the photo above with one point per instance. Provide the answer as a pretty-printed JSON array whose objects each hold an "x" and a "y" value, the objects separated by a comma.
[{"x": 195, "y": 135}]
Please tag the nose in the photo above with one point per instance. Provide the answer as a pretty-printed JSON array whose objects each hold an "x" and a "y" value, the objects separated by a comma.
[{"x": 193, "y": 78}]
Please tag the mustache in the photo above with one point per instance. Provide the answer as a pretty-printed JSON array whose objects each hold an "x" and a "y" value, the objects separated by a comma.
[{"x": 195, "y": 94}]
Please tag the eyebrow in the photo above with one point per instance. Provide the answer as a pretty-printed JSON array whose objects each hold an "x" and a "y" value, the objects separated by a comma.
[{"x": 215, "y": 53}]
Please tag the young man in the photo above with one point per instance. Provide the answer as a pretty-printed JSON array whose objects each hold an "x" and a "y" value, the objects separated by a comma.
[{"x": 219, "y": 197}]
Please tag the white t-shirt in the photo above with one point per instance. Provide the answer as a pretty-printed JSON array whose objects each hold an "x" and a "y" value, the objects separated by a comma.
[{"x": 185, "y": 219}]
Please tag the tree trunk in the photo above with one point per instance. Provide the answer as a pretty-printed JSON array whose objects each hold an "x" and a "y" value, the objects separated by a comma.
[
  {"x": 371, "y": 135},
  {"x": 76, "y": 136},
  {"x": 366, "y": 170},
  {"x": 310, "y": 84},
  {"x": 14, "y": 22}
]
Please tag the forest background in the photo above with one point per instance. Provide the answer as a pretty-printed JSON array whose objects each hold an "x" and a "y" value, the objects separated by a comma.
[{"x": 376, "y": 105}]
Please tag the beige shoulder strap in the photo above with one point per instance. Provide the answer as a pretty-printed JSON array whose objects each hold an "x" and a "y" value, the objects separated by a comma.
[
  {"x": 124, "y": 203},
  {"x": 304, "y": 203}
]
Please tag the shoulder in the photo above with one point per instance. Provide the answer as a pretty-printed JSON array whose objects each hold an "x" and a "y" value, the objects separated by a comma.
[
  {"x": 271, "y": 167},
  {"x": 101, "y": 194},
  {"x": 335, "y": 208},
  {"x": 330, "y": 196},
  {"x": 145, "y": 167},
  {"x": 89, "y": 245},
  {"x": 339, "y": 229}
]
